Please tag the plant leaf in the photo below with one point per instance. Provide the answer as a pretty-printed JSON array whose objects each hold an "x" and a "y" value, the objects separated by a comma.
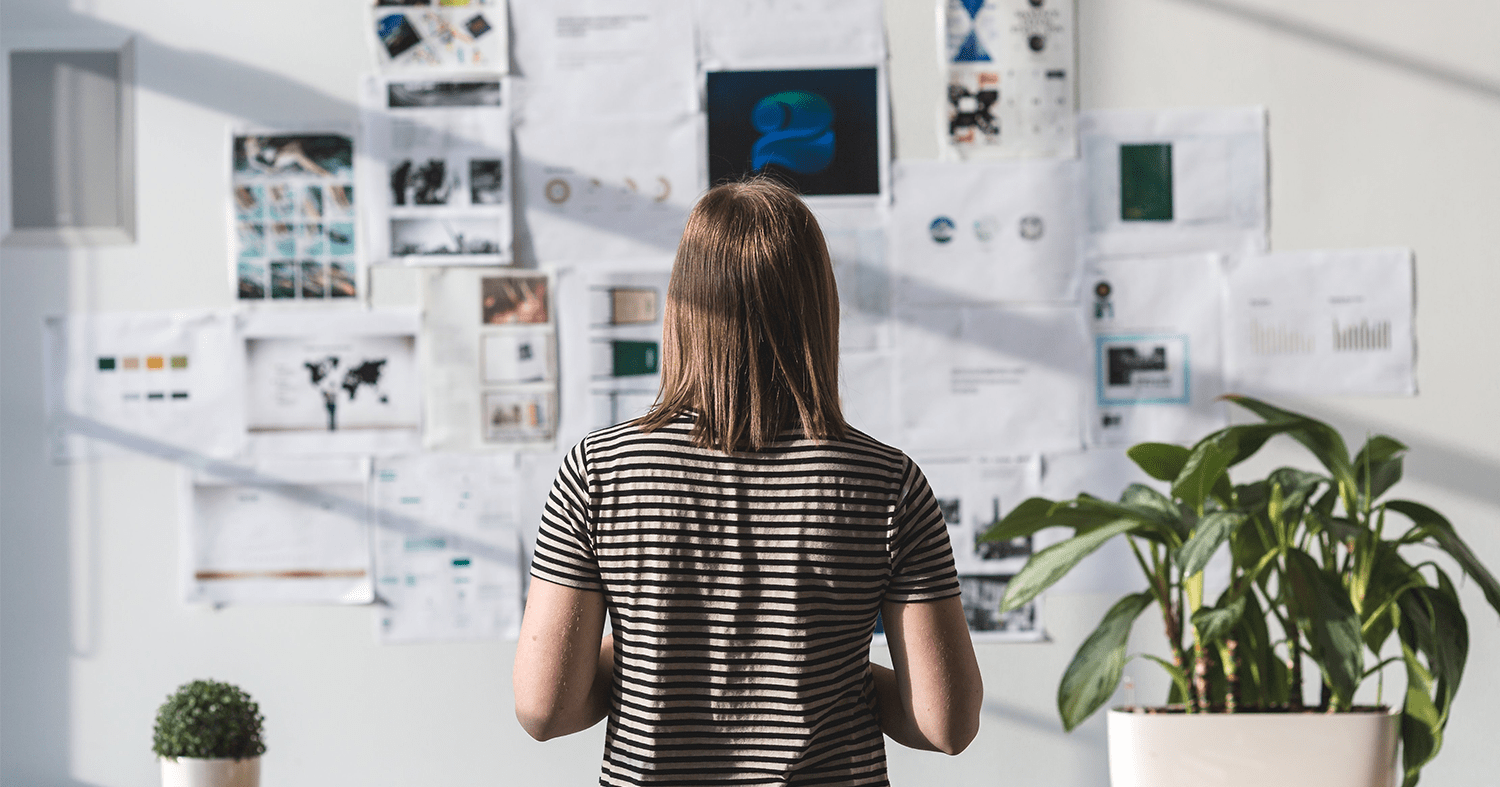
[
  {"x": 1421, "y": 721},
  {"x": 1378, "y": 466},
  {"x": 1051, "y": 564},
  {"x": 1162, "y": 461},
  {"x": 1434, "y": 525},
  {"x": 1032, "y": 515},
  {"x": 1213, "y": 530},
  {"x": 1331, "y": 625},
  {"x": 1321, "y": 439},
  {"x": 1214, "y": 623},
  {"x": 1203, "y": 468},
  {"x": 1094, "y": 673}
]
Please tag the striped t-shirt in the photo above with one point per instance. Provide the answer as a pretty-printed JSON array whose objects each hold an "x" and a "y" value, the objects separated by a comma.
[{"x": 743, "y": 591}]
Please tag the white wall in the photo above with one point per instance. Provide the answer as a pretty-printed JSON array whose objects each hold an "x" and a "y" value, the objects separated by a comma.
[{"x": 1384, "y": 117}]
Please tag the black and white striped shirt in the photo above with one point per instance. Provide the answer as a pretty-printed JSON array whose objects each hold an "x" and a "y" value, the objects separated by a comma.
[{"x": 743, "y": 592}]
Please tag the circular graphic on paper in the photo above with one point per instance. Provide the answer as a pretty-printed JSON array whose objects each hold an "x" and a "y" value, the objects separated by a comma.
[
  {"x": 557, "y": 191},
  {"x": 1032, "y": 227},
  {"x": 941, "y": 229},
  {"x": 666, "y": 190},
  {"x": 1037, "y": 43},
  {"x": 1102, "y": 290},
  {"x": 984, "y": 228}
]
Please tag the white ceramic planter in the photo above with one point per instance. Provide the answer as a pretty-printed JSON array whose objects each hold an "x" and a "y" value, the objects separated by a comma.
[
  {"x": 195, "y": 772},
  {"x": 1253, "y": 749}
]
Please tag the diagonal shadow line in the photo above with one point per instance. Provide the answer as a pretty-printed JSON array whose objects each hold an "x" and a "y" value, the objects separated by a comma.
[
  {"x": 359, "y": 510},
  {"x": 1381, "y": 55}
]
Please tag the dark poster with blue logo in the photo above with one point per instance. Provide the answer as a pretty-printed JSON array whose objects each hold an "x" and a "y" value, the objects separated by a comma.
[{"x": 818, "y": 129}]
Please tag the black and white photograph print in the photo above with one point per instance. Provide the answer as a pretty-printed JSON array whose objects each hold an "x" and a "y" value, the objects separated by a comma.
[
  {"x": 422, "y": 182},
  {"x": 445, "y": 236},
  {"x": 981, "y": 601},
  {"x": 279, "y": 155},
  {"x": 454, "y": 93},
  {"x": 487, "y": 182}
]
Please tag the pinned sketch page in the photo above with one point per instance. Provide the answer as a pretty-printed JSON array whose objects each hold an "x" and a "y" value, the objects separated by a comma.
[
  {"x": 587, "y": 60},
  {"x": 1323, "y": 322},
  {"x": 1011, "y": 78},
  {"x": 162, "y": 384},
  {"x": 789, "y": 33},
  {"x": 1175, "y": 180},
  {"x": 1157, "y": 351},
  {"x": 447, "y": 548},
  {"x": 622, "y": 194},
  {"x": 612, "y": 342},
  {"x": 284, "y": 530},
  {"x": 448, "y": 35},
  {"x": 489, "y": 359},
  {"x": 437, "y": 170},
  {"x": 974, "y": 493},
  {"x": 987, "y": 232},
  {"x": 991, "y": 379},
  {"x": 331, "y": 382}
]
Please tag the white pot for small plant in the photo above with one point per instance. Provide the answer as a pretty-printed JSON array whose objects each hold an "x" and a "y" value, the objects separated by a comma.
[
  {"x": 198, "y": 772},
  {"x": 1244, "y": 749}
]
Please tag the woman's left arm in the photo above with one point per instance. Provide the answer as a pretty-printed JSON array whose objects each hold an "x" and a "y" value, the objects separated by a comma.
[{"x": 564, "y": 669}]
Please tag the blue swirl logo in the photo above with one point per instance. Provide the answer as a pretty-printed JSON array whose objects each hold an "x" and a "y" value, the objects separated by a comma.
[{"x": 796, "y": 132}]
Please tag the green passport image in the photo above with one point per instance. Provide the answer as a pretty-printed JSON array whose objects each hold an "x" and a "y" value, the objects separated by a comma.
[
  {"x": 632, "y": 359},
  {"x": 1146, "y": 182}
]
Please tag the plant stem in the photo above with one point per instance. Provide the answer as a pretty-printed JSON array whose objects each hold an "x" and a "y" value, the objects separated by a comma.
[
  {"x": 1325, "y": 698},
  {"x": 1294, "y": 666},
  {"x": 1231, "y": 676},
  {"x": 1200, "y": 675}
]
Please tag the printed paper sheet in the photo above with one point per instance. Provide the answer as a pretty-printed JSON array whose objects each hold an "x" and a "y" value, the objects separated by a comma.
[
  {"x": 611, "y": 342},
  {"x": 766, "y": 34},
  {"x": 292, "y": 213},
  {"x": 1157, "y": 353},
  {"x": 331, "y": 382},
  {"x": 420, "y": 35},
  {"x": 987, "y": 232},
  {"x": 989, "y": 380},
  {"x": 437, "y": 170},
  {"x": 1323, "y": 323},
  {"x": 1175, "y": 180},
  {"x": 159, "y": 383},
  {"x": 1012, "y": 78},
  {"x": 621, "y": 194},
  {"x": 447, "y": 548},
  {"x": 286, "y": 530},
  {"x": 489, "y": 359}
]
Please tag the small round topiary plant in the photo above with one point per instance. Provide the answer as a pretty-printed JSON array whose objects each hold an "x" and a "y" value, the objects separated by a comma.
[{"x": 208, "y": 719}]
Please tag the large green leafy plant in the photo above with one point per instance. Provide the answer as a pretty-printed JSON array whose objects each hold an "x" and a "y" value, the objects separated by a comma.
[
  {"x": 1324, "y": 570},
  {"x": 208, "y": 719}
]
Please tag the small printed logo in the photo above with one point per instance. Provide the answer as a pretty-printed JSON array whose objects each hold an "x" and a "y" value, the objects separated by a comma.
[
  {"x": 942, "y": 229},
  {"x": 557, "y": 191},
  {"x": 1103, "y": 308},
  {"x": 984, "y": 228},
  {"x": 1032, "y": 227},
  {"x": 1110, "y": 420},
  {"x": 797, "y": 132}
]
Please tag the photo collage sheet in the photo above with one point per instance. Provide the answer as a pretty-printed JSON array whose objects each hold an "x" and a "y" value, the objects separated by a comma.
[{"x": 1060, "y": 285}]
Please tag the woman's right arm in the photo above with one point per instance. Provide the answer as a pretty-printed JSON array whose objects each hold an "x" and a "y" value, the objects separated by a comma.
[{"x": 931, "y": 699}]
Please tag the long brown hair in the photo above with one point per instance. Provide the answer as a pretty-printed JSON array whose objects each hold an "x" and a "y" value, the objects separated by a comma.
[{"x": 751, "y": 330}]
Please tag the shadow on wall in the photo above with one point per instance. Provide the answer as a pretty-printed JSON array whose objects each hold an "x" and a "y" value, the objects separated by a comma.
[{"x": 1331, "y": 39}]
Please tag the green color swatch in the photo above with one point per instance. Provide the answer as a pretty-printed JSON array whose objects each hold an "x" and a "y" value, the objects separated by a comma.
[
  {"x": 106, "y": 364},
  {"x": 632, "y": 359},
  {"x": 1146, "y": 182}
]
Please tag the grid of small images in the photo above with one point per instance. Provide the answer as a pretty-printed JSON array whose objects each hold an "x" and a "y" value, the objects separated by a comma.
[
  {"x": 517, "y": 363},
  {"x": 294, "y": 217},
  {"x": 434, "y": 34}
]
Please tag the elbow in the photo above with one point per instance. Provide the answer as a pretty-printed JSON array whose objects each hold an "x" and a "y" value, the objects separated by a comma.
[
  {"x": 962, "y": 723},
  {"x": 959, "y": 735},
  {"x": 538, "y": 721}
]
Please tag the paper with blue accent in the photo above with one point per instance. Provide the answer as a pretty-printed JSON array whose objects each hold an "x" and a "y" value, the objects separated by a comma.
[
  {"x": 1157, "y": 350},
  {"x": 447, "y": 550},
  {"x": 976, "y": 232},
  {"x": 451, "y": 35},
  {"x": 1011, "y": 78}
]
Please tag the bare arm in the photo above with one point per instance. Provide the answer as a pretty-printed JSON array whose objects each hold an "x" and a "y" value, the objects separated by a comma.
[
  {"x": 931, "y": 699},
  {"x": 564, "y": 670}
]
